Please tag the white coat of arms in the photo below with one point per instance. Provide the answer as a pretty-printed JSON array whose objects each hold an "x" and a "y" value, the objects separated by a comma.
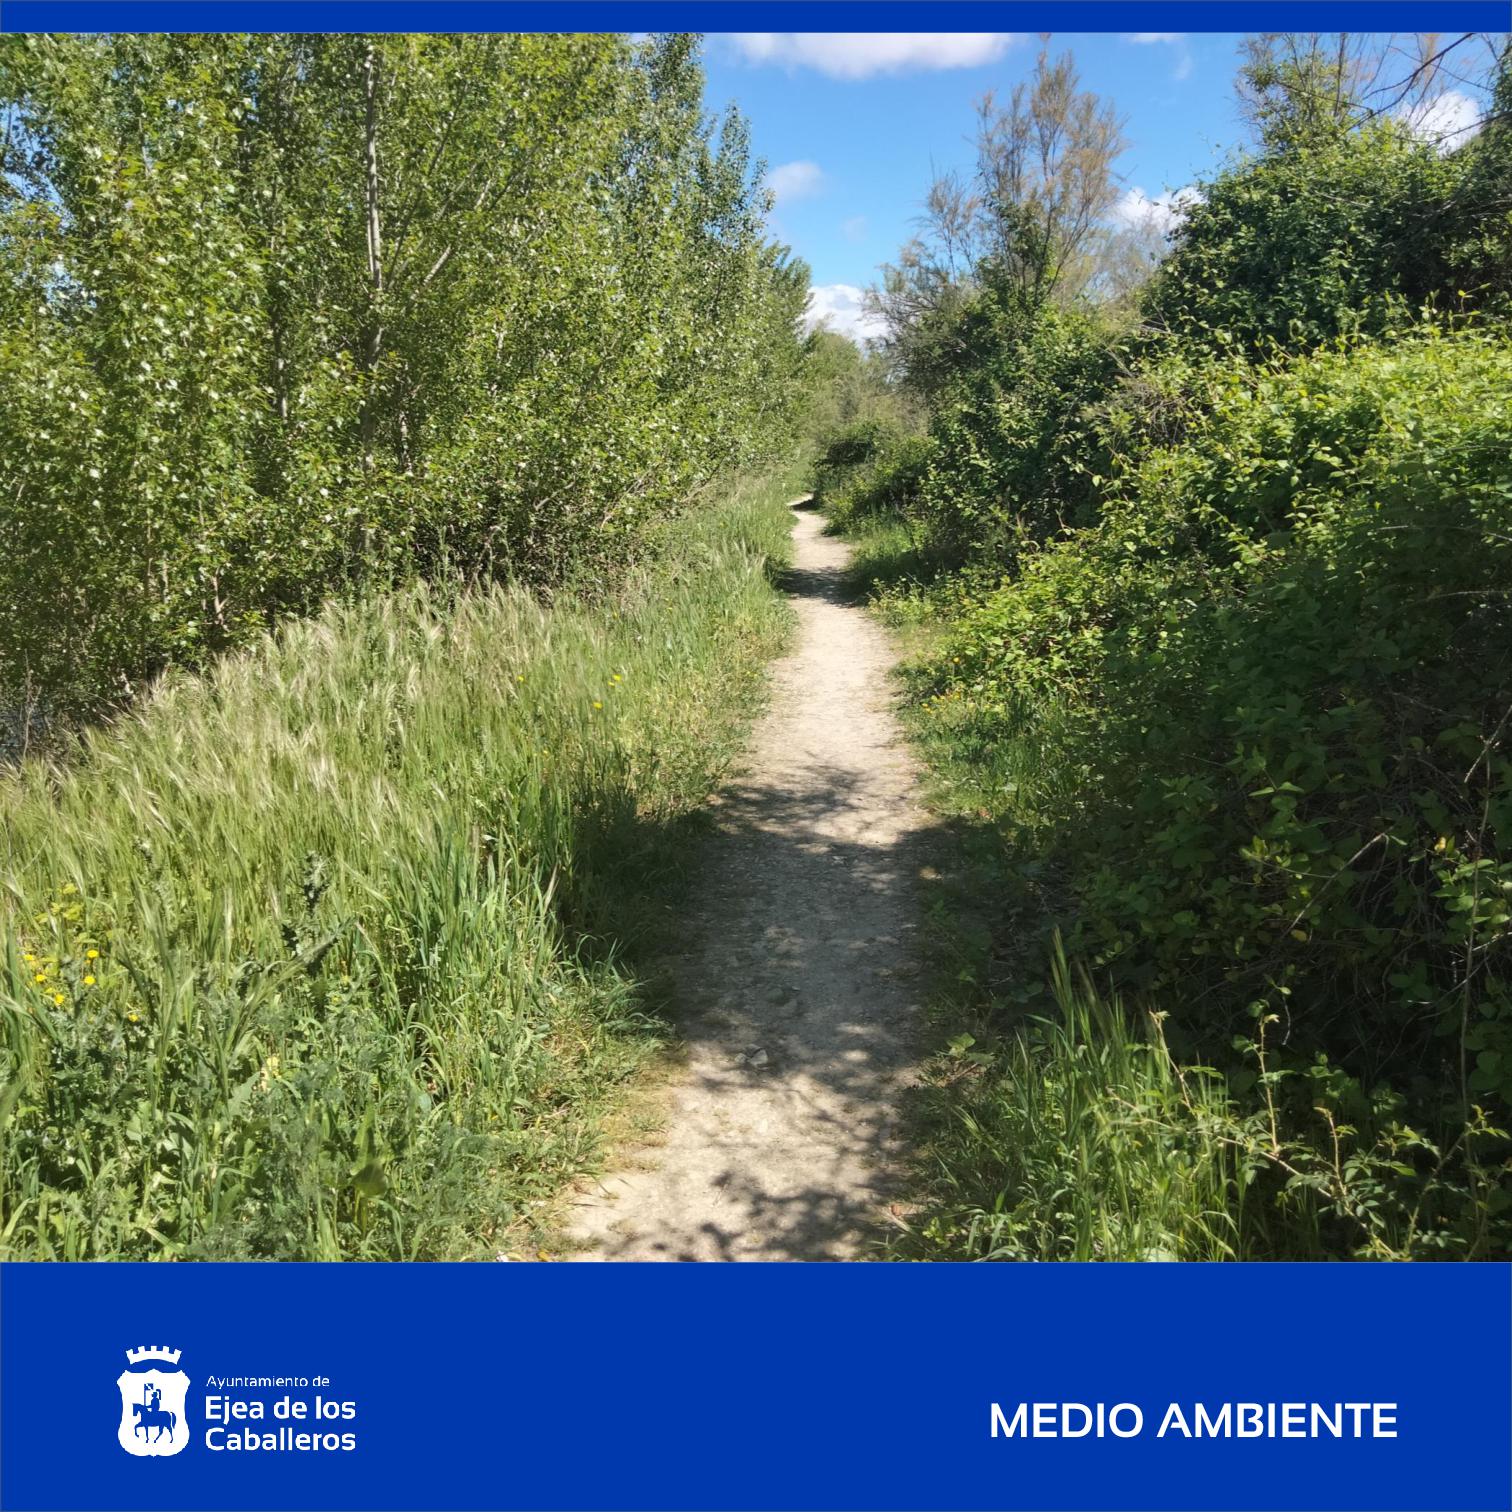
[{"x": 153, "y": 1416}]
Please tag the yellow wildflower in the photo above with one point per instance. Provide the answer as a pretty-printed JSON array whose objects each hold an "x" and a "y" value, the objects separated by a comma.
[
  {"x": 93, "y": 955},
  {"x": 89, "y": 981},
  {"x": 58, "y": 998},
  {"x": 597, "y": 704}
]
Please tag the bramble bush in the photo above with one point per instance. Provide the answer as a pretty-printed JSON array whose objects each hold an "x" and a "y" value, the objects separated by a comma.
[{"x": 1277, "y": 668}]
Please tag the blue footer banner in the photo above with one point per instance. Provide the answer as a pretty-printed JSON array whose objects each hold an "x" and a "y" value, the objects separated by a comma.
[{"x": 881, "y": 1386}]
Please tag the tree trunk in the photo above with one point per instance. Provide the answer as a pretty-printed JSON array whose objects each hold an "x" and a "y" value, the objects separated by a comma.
[{"x": 372, "y": 344}]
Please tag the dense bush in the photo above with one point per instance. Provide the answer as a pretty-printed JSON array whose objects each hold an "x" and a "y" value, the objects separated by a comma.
[
  {"x": 1292, "y": 248},
  {"x": 282, "y": 312},
  {"x": 1014, "y": 444},
  {"x": 1226, "y": 671},
  {"x": 871, "y": 467},
  {"x": 1277, "y": 669}
]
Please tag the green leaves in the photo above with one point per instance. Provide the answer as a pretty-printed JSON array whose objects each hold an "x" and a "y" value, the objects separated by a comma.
[
  {"x": 1295, "y": 248},
  {"x": 268, "y": 333},
  {"x": 1256, "y": 716}
]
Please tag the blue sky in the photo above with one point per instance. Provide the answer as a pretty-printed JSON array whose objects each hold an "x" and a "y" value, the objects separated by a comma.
[{"x": 854, "y": 127}]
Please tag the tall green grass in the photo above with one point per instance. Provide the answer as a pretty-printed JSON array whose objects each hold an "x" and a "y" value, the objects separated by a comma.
[
  {"x": 1076, "y": 1134},
  {"x": 324, "y": 953},
  {"x": 1079, "y": 1138}
]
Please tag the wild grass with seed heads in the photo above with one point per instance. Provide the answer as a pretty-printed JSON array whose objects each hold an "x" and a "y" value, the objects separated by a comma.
[{"x": 329, "y": 952}]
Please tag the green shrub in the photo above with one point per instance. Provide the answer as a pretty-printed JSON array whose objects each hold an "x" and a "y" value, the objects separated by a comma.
[
  {"x": 1340, "y": 234},
  {"x": 1261, "y": 709},
  {"x": 1015, "y": 444},
  {"x": 889, "y": 484},
  {"x": 1011, "y": 455},
  {"x": 854, "y": 452}
]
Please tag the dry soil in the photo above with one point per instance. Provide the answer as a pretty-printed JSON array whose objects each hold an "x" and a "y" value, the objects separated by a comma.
[{"x": 796, "y": 983}]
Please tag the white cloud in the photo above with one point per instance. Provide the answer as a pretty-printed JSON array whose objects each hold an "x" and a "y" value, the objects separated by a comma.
[
  {"x": 1136, "y": 210},
  {"x": 839, "y": 306},
  {"x": 795, "y": 181},
  {"x": 1448, "y": 121},
  {"x": 1171, "y": 39},
  {"x": 862, "y": 55}
]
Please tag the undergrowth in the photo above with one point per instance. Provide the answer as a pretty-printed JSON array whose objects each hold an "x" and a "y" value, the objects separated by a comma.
[{"x": 1172, "y": 736}]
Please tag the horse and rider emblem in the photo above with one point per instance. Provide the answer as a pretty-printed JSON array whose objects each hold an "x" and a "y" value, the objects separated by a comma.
[{"x": 153, "y": 1419}]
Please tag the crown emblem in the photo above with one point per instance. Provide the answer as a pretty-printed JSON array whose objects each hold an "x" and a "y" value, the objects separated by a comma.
[{"x": 154, "y": 1352}]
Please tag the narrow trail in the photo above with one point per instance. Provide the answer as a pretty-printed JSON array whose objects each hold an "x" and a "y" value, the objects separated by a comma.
[{"x": 796, "y": 981}]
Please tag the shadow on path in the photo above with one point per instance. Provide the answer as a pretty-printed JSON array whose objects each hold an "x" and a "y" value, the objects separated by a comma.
[{"x": 797, "y": 978}]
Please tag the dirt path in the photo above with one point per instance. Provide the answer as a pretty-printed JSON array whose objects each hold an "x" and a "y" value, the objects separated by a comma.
[{"x": 796, "y": 984}]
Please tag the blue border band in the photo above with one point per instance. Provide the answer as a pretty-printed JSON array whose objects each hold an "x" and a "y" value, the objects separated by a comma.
[
  {"x": 731, "y": 1387},
  {"x": 754, "y": 15}
]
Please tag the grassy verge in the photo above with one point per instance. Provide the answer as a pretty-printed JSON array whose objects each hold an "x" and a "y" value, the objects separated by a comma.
[{"x": 327, "y": 953}]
